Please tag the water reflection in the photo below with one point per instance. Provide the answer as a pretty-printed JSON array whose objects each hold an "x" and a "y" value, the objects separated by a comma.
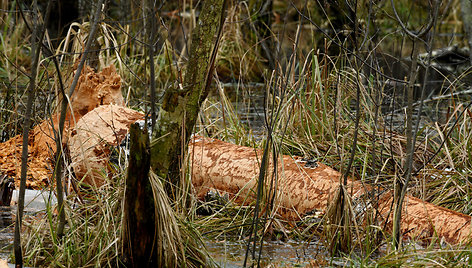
[
  {"x": 35, "y": 201},
  {"x": 6, "y": 230},
  {"x": 292, "y": 253}
]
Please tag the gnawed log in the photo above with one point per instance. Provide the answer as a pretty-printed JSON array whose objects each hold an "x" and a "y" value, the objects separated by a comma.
[
  {"x": 93, "y": 89},
  {"x": 303, "y": 188},
  {"x": 90, "y": 141}
]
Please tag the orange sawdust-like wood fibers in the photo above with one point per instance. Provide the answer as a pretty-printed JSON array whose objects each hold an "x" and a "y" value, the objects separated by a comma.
[
  {"x": 93, "y": 89},
  {"x": 300, "y": 189},
  {"x": 90, "y": 141}
]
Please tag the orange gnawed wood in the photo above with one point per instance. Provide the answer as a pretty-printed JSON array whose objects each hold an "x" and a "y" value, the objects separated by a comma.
[
  {"x": 234, "y": 169},
  {"x": 94, "y": 133},
  {"x": 93, "y": 89}
]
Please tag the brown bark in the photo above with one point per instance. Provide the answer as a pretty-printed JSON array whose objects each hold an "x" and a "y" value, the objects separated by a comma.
[
  {"x": 234, "y": 169},
  {"x": 139, "y": 219},
  {"x": 6, "y": 190}
]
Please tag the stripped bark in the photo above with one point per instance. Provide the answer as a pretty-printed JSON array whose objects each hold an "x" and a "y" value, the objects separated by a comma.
[
  {"x": 93, "y": 90},
  {"x": 304, "y": 188}
]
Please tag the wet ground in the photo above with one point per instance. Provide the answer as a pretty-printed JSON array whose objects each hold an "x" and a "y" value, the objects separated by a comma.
[
  {"x": 35, "y": 201},
  {"x": 6, "y": 231},
  {"x": 225, "y": 253}
]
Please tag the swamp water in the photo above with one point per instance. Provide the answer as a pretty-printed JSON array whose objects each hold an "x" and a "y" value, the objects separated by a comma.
[
  {"x": 283, "y": 254},
  {"x": 35, "y": 201}
]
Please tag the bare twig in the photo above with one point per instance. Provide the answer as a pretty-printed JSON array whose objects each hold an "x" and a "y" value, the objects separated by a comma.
[
  {"x": 401, "y": 187},
  {"x": 422, "y": 32},
  {"x": 36, "y": 48},
  {"x": 349, "y": 51}
]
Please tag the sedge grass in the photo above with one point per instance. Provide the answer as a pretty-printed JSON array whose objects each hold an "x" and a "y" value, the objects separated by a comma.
[
  {"x": 93, "y": 233},
  {"x": 91, "y": 237}
]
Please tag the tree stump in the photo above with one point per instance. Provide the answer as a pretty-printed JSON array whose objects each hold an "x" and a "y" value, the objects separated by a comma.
[
  {"x": 139, "y": 221},
  {"x": 7, "y": 185}
]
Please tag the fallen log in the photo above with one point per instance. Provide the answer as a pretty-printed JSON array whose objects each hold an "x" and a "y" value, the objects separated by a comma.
[
  {"x": 94, "y": 136},
  {"x": 93, "y": 90},
  {"x": 303, "y": 188}
]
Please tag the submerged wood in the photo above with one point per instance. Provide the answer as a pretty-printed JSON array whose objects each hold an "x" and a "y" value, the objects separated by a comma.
[
  {"x": 139, "y": 245},
  {"x": 304, "y": 187}
]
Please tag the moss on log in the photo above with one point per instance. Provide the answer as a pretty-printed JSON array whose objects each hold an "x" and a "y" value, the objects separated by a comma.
[{"x": 181, "y": 106}]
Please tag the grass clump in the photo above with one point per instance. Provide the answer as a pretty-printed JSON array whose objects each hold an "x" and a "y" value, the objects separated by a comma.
[{"x": 93, "y": 235}]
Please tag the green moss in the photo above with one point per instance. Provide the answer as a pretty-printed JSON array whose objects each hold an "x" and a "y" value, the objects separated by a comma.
[{"x": 181, "y": 106}]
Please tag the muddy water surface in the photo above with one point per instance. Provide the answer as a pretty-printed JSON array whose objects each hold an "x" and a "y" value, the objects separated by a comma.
[{"x": 283, "y": 254}]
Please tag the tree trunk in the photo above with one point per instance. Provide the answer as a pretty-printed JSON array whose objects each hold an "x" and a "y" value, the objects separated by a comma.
[
  {"x": 181, "y": 106},
  {"x": 139, "y": 220},
  {"x": 466, "y": 8}
]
